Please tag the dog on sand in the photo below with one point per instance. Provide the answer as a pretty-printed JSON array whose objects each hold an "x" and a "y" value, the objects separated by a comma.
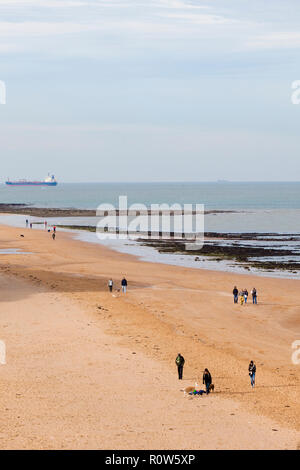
[
  {"x": 190, "y": 389},
  {"x": 187, "y": 390}
]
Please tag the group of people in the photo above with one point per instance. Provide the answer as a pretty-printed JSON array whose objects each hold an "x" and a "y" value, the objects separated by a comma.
[
  {"x": 243, "y": 295},
  {"x": 45, "y": 225},
  {"x": 207, "y": 379},
  {"x": 123, "y": 285}
]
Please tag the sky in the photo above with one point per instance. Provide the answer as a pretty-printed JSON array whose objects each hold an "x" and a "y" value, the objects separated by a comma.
[{"x": 150, "y": 90}]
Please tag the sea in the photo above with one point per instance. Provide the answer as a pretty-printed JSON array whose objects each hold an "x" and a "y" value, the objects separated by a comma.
[
  {"x": 216, "y": 195},
  {"x": 235, "y": 207}
]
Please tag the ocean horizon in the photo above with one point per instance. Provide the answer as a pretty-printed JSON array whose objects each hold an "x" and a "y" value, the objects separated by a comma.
[{"x": 221, "y": 195}]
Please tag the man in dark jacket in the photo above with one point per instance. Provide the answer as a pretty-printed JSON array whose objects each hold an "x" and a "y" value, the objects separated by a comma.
[
  {"x": 207, "y": 380},
  {"x": 254, "y": 295},
  {"x": 235, "y": 295},
  {"x": 252, "y": 372},
  {"x": 180, "y": 363},
  {"x": 124, "y": 285}
]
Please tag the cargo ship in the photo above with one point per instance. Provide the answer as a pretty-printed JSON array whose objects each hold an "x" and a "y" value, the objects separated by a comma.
[{"x": 49, "y": 181}]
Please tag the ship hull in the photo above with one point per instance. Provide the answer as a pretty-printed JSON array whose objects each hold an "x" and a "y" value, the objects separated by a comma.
[{"x": 30, "y": 183}]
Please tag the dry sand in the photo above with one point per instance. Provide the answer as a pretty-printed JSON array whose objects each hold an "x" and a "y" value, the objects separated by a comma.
[{"x": 88, "y": 369}]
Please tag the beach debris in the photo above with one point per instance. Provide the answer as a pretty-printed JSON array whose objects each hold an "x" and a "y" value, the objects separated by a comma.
[{"x": 102, "y": 308}]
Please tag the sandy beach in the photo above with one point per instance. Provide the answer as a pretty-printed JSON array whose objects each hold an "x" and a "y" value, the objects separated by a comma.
[{"x": 87, "y": 369}]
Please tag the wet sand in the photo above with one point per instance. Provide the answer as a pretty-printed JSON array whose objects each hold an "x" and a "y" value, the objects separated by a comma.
[{"x": 88, "y": 369}]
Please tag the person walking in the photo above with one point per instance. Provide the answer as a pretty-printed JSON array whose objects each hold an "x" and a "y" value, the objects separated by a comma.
[
  {"x": 207, "y": 380},
  {"x": 254, "y": 295},
  {"x": 235, "y": 295},
  {"x": 110, "y": 285},
  {"x": 180, "y": 363},
  {"x": 26, "y": 223},
  {"x": 245, "y": 292},
  {"x": 252, "y": 372},
  {"x": 124, "y": 285},
  {"x": 53, "y": 236}
]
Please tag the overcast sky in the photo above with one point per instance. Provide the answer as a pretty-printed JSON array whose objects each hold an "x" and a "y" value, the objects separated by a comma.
[{"x": 150, "y": 90}]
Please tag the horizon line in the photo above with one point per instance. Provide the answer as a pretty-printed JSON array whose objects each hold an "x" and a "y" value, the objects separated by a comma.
[{"x": 178, "y": 182}]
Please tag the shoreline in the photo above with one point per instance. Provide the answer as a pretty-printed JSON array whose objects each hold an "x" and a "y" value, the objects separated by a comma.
[
  {"x": 274, "y": 255},
  {"x": 26, "y": 209}
]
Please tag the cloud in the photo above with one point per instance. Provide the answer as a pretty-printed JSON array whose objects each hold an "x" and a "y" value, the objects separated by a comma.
[
  {"x": 40, "y": 28},
  {"x": 133, "y": 24},
  {"x": 9, "y": 48},
  {"x": 43, "y": 3},
  {"x": 204, "y": 19},
  {"x": 68, "y": 3},
  {"x": 276, "y": 40},
  {"x": 180, "y": 4}
]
